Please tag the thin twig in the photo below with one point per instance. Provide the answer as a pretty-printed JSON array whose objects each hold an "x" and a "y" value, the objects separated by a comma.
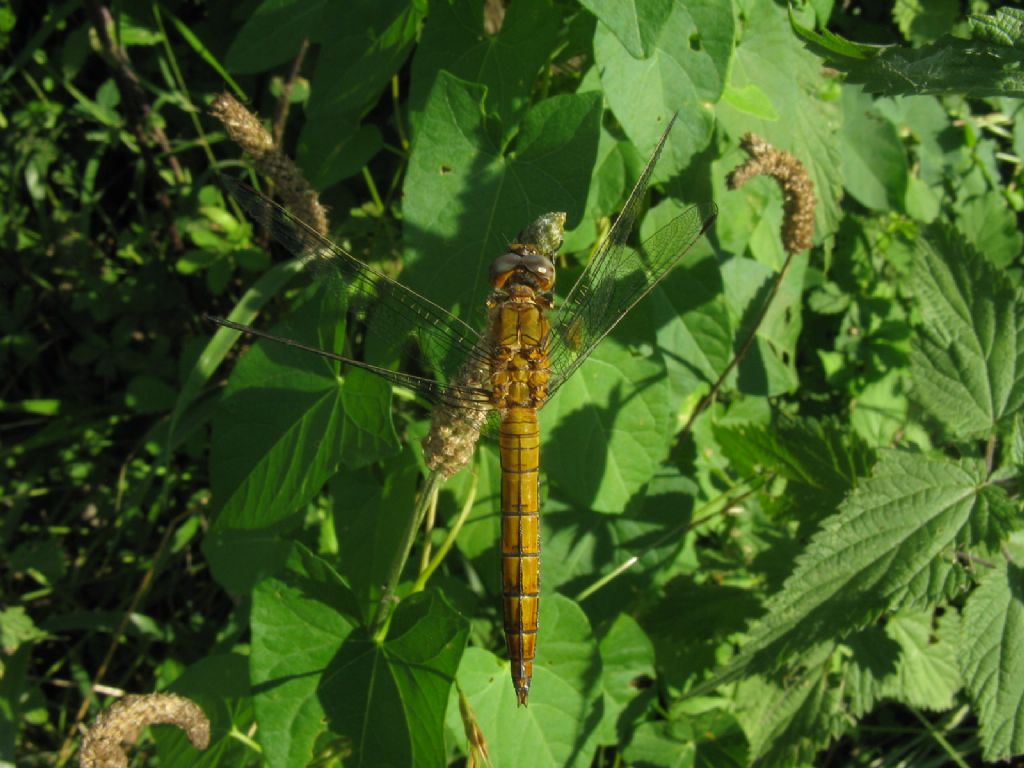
[{"x": 283, "y": 101}]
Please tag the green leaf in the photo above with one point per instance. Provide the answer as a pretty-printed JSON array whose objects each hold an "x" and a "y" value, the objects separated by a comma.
[
  {"x": 366, "y": 43},
  {"x": 389, "y": 698},
  {"x": 769, "y": 57},
  {"x": 369, "y": 515},
  {"x": 874, "y": 164},
  {"x": 272, "y": 34},
  {"x": 949, "y": 65},
  {"x": 819, "y": 455},
  {"x": 465, "y": 197},
  {"x": 699, "y": 732},
  {"x": 788, "y": 720},
  {"x": 506, "y": 63},
  {"x": 610, "y": 427},
  {"x": 288, "y": 420},
  {"x": 992, "y": 659},
  {"x": 990, "y": 226},
  {"x": 968, "y": 359},
  {"x": 627, "y": 657},
  {"x": 690, "y": 47},
  {"x": 922, "y": 21},
  {"x": 1006, "y": 27},
  {"x": 564, "y": 699},
  {"x": 219, "y": 684},
  {"x": 890, "y": 546},
  {"x": 299, "y": 621},
  {"x": 636, "y": 23}
]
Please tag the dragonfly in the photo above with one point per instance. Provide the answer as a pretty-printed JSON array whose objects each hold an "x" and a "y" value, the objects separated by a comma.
[{"x": 506, "y": 372}]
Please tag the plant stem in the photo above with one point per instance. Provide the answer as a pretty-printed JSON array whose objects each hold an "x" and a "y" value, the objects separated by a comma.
[
  {"x": 428, "y": 496},
  {"x": 428, "y": 569}
]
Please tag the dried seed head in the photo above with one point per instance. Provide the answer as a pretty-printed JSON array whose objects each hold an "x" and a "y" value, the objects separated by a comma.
[
  {"x": 117, "y": 728},
  {"x": 546, "y": 232},
  {"x": 245, "y": 129},
  {"x": 797, "y": 188},
  {"x": 454, "y": 431}
]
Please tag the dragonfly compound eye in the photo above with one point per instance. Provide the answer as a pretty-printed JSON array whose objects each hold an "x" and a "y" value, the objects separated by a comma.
[
  {"x": 542, "y": 267},
  {"x": 503, "y": 267}
]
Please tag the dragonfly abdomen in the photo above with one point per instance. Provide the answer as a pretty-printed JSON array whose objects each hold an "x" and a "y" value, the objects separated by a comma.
[{"x": 519, "y": 443}]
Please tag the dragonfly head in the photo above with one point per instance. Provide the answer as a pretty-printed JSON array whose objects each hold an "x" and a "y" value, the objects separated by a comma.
[
  {"x": 523, "y": 267},
  {"x": 529, "y": 261}
]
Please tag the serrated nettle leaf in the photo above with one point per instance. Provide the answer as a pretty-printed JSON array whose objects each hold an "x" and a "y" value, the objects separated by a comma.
[
  {"x": 466, "y": 197},
  {"x": 816, "y": 454},
  {"x": 893, "y": 544},
  {"x": 990, "y": 225},
  {"x": 789, "y": 718},
  {"x": 689, "y": 49},
  {"x": 286, "y": 422},
  {"x": 558, "y": 727},
  {"x": 991, "y": 655},
  {"x": 968, "y": 360}
]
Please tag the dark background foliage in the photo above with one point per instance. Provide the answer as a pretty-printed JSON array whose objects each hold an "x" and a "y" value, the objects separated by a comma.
[{"x": 820, "y": 567}]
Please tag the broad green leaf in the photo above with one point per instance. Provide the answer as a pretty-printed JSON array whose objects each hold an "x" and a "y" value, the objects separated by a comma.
[
  {"x": 299, "y": 621},
  {"x": 389, "y": 698},
  {"x": 689, "y": 50},
  {"x": 968, "y": 359},
  {"x": 636, "y": 23},
  {"x": 789, "y": 719},
  {"x": 698, "y": 732},
  {"x": 922, "y": 21},
  {"x": 272, "y": 34},
  {"x": 240, "y": 558},
  {"x": 990, "y": 226},
  {"x": 466, "y": 197},
  {"x": 696, "y": 332},
  {"x": 314, "y": 673},
  {"x": 565, "y": 696},
  {"x": 874, "y": 163},
  {"x": 769, "y": 57},
  {"x": 365, "y": 44},
  {"x": 926, "y": 674},
  {"x": 627, "y": 657},
  {"x": 907, "y": 660},
  {"x": 370, "y": 514},
  {"x": 609, "y": 428},
  {"x": 890, "y": 545},
  {"x": 506, "y": 63},
  {"x": 769, "y": 366},
  {"x": 818, "y": 455},
  {"x": 286, "y": 422},
  {"x": 692, "y": 624},
  {"x": 992, "y": 659}
]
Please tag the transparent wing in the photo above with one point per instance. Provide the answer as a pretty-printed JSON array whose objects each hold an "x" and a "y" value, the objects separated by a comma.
[
  {"x": 618, "y": 276},
  {"x": 394, "y": 314},
  {"x": 451, "y": 395}
]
